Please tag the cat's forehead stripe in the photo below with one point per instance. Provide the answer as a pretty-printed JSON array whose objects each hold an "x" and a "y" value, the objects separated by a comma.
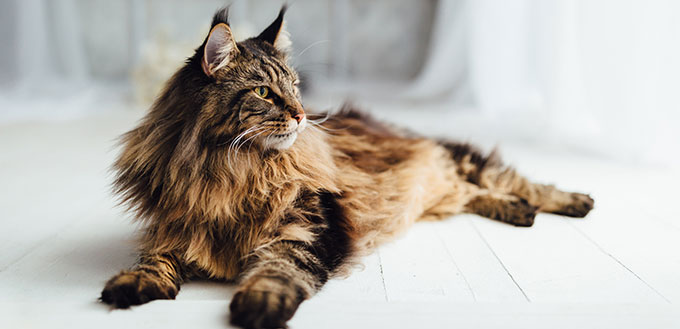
[
  {"x": 272, "y": 73},
  {"x": 275, "y": 70},
  {"x": 257, "y": 76},
  {"x": 280, "y": 67}
]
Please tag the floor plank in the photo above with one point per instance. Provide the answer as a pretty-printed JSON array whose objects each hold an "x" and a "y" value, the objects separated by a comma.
[
  {"x": 482, "y": 270},
  {"x": 74, "y": 264},
  {"x": 645, "y": 247},
  {"x": 553, "y": 262},
  {"x": 632, "y": 222},
  {"x": 213, "y": 314},
  {"x": 50, "y": 174},
  {"x": 418, "y": 267},
  {"x": 486, "y": 315},
  {"x": 365, "y": 283}
]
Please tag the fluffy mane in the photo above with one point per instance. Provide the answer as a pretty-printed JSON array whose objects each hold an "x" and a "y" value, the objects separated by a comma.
[{"x": 178, "y": 172}]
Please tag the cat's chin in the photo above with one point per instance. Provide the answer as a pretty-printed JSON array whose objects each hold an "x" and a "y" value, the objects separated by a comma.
[{"x": 281, "y": 142}]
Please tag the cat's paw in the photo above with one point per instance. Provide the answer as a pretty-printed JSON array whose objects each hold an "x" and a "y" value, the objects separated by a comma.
[
  {"x": 135, "y": 288},
  {"x": 579, "y": 206},
  {"x": 263, "y": 309},
  {"x": 520, "y": 213}
]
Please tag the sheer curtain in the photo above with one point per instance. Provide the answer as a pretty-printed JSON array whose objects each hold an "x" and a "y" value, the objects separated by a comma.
[
  {"x": 597, "y": 75},
  {"x": 44, "y": 68}
]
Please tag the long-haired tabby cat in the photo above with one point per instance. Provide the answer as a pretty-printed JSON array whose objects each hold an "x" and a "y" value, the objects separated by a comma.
[{"x": 233, "y": 182}]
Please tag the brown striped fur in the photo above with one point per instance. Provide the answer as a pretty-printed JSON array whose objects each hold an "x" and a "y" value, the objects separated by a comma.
[{"x": 222, "y": 195}]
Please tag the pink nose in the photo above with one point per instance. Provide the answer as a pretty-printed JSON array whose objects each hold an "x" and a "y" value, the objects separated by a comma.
[{"x": 299, "y": 117}]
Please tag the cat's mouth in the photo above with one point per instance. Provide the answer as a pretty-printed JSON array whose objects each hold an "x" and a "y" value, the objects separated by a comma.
[
  {"x": 280, "y": 141},
  {"x": 284, "y": 140}
]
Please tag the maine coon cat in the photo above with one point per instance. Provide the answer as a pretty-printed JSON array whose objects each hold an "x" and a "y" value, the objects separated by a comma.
[{"x": 233, "y": 182}]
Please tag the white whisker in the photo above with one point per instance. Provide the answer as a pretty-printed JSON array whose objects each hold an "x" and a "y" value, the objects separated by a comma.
[
  {"x": 310, "y": 46},
  {"x": 321, "y": 120},
  {"x": 251, "y": 139},
  {"x": 237, "y": 139},
  {"x": 317, "y": 124}
]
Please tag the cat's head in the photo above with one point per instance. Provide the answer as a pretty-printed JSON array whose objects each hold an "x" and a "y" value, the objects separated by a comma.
[
  {"x": 251, "y": 93},
  {"x": 228, "y": 97}
]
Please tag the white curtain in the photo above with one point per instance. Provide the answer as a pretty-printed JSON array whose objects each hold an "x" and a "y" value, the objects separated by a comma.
[
  {"x": 45, "y": 69},
  {"x": 597, "y": 75}
]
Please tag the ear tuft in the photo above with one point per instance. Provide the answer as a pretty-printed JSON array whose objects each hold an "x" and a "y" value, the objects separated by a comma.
[
  {"x": 220, "y": 49},
  {"x": 283, "y": 42},
  {"x": 221, "y": 16},
  {"x": 275, "y": 34}
]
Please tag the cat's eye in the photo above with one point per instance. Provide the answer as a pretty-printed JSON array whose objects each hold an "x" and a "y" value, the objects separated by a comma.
[{"x": 261, "y": 91}]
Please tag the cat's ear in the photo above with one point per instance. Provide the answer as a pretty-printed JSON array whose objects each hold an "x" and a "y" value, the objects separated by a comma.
[
  {"x": 276, "y": 33},
  {"x": 219, "y": 50}
]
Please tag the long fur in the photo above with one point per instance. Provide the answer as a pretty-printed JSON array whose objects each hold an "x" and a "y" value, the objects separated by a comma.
[{"x": 216, "y": 202}]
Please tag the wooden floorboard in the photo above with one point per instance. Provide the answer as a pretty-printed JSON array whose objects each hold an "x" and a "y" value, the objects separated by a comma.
[
  {"x": 315, "y": 314},
  {"x": 552, "y": 262},
  {"x": 485, "y": 274},
  {"x": 365, "y": 283},
  {"x": 419, "y": 268},
  {"x": 644, "y": 246}
]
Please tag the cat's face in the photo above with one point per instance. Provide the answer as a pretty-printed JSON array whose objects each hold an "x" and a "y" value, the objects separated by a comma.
[{"x": 254, "y": 90}]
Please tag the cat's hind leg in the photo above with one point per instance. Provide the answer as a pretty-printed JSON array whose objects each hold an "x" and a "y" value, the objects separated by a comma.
[
  {"x": 546, "y": 197},
  {"x": 503, "y": 207},
  {"x": 488, "y": 173},
  {"x": 156, "y": 276}
]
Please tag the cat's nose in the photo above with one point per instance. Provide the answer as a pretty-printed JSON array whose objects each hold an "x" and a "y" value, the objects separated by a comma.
[
  {"x": 297, "y": 112},
  {"x": 299, "y": 117}
]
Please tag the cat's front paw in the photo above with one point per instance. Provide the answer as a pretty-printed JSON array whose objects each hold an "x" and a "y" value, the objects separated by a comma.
[
  {"x": 135, "y": 288},
  {"x": 579, "y": 206},
  {"x": 263, "y": 309}
]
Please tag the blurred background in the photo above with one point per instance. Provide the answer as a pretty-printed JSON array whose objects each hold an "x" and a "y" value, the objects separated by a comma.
[{"x": 597, "y": 77}]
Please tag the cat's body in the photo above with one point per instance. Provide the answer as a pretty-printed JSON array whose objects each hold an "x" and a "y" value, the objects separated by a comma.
[{"x": 231, "y": 186}]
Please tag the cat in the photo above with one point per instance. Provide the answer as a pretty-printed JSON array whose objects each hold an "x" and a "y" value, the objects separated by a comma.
[{"x": 232, "y": 181}]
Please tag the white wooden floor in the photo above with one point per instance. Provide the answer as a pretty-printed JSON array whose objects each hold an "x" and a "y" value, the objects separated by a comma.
[{"x": 61, "y": 238}]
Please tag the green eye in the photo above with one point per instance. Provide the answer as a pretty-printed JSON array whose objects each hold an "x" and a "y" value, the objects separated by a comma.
[{"x": 261, "y": 91}]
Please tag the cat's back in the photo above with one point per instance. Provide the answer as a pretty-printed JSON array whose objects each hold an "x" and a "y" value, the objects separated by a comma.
[
  {"x": 370, "y": 144},
  {"x": 390, "y": 177}
]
